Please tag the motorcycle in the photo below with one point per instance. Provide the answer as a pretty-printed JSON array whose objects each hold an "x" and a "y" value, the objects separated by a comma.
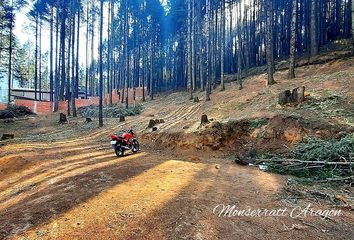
[{"x": 125, "y": 141}]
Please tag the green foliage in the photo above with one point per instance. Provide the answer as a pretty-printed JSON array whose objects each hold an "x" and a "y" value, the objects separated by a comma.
[
  {"x": 114, "y": 111},
  {"x": 333, "y": 150},
  {"x": 314, "y": 149},
  {"x": 257, "y": 123}
]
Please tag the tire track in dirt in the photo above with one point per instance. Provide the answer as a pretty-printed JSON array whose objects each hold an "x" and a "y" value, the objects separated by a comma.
[{"x": 183, "y": 113}]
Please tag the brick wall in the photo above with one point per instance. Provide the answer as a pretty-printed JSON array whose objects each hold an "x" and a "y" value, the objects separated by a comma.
[
  {"x": 3, "y": 106},
  {"x": 46, "y": 107}
]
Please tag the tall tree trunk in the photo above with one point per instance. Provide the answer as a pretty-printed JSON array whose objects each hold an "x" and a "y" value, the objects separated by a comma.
[
  {"x": 73, "y": 65},
  {"x": 291, "y": 74},
  {"x": 56, "y": 85},
  {"x": 68, "y": 79},
  {"x": 87, "y": 48},
  {"x": 313, "y": 31},
  {"x": 222, "y": 44},
  {"x": 92, "y": 70},
  {"x": 62, "y": 46},
  {"x": 353, "y": 25},
  {"x": 239, "y": 46},
  {"x": 151, "y": 71},
  {"x": 208, "y": 79},
  {"x": 40, "y": 59},
  {"x": 193, "y": 46},
  {"x": 189, "y": 44},
  {"x": 10, "y": 53},
  {"x": 36, "y": 62},
  {"x": 51, "y": 79},
  {"x": 109, "y": 40},
  {"x": 101, "y": 68},
  {"x": 269, "y": 41},
  {"x": 76, "y": 85},
  {"x": 126, "y": 54}
]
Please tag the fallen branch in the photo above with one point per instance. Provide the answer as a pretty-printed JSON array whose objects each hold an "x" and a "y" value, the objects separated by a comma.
[
  {"x": 336, "y": 179},
  {"x": 309, "y": 162}
]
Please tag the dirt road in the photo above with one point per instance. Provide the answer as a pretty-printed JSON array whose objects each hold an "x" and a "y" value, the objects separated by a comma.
[{"x": 79, "y": 189}]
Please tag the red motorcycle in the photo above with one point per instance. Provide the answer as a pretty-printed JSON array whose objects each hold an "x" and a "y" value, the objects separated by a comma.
[{"x": 125, "y": 141}]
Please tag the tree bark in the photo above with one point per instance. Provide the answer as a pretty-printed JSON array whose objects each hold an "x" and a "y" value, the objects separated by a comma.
[
  {"x": 313, "y": 28},
  {"x": 269, "y": 41},
  {"x": 56, "y": 85},
  {"x": 208, "y": 79},
  {"x": 222, "y": 44},
  {"x": 51, "y": 80},
  {"x": 10, "y": 53},
  {"x": 291, "y": 74},
  {"x": 101, "y": 68}
]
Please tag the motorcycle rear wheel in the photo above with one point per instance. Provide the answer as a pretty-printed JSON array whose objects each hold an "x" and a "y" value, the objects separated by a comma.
[{"x": 119, "y": 151}]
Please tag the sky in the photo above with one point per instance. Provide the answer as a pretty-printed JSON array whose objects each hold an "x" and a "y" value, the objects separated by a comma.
[{"x": 25, "y": 33}]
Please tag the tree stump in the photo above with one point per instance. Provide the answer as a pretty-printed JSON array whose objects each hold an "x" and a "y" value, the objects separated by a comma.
[
  {"x": 297, "y": 95},
  {"x": 285, "y": 97},
  {"x": 7, "y": 136},
  {"x": 204, "y": 119},
  {"x": 88, "y": 120},
  {"x": 301, "y": 94},
  {"x": 162, "y": 121},
  {"x": 157, "y": 121},
  {"x": 152, "y": 123},
  {"x": 62, "y": 118},
  {"x": 121, "y": 119},
  {"x": 294, "y": 95},
  {"x": 196, "y": 100}
]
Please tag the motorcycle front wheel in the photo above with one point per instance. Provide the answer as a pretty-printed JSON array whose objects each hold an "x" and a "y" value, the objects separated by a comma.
[{"x": 119, "y": 151}]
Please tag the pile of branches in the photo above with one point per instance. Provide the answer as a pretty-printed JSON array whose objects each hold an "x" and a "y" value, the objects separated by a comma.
[
  {"x": 15, "y": 112},
  {"x": 320, "y": 160}
]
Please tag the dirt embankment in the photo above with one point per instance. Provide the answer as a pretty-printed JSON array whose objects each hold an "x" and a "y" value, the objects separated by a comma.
[{"x": 275, "y": 134}]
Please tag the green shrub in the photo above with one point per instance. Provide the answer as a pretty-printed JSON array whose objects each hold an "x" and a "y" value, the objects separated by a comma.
[
  {"x": 114, "y": 111},
  {"x": 257, "y": 123}
]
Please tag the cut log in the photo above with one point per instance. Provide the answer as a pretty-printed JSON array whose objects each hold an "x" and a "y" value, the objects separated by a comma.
[
  {"x": 7, "y": 136},
  {"x": 152, "y": 123},
  {"x": 88, "y": 120},
  {"x": 121, "y": 119},
  {"x": 204, "y": 119},
  {"x": 62, "y": 118}
]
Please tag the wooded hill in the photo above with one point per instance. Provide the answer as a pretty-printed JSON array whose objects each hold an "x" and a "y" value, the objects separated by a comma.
[{"x": 176, "y": 45}]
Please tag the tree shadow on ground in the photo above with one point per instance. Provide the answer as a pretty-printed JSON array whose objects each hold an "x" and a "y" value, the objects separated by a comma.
[{"x": 61, "y": 196}]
